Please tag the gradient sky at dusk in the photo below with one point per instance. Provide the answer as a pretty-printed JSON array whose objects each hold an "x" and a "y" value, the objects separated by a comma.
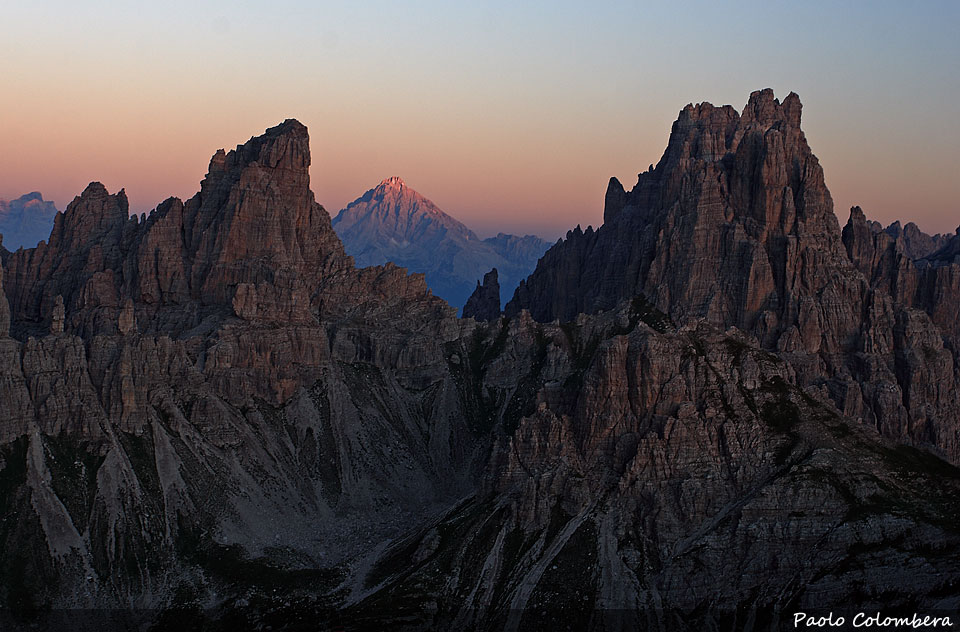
[{"x": 508, "y": 117}]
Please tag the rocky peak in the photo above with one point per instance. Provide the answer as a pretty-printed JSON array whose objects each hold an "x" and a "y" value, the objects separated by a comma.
[
  {"x": 253, "y": 244},
  {"x": 393, "y": 222},
  {"x": 914, "y": 242},
  {"x": 727, "y": 182},
  {"x": 402, "y": 201},
  {"x": 81, "y": 264},
  {"x": 484, "y": 303},
  {"x": 891, "y": 252},
  {"x": 702, "y": 132},
  {"x": 706, "y": 132},
  {"x": 93, "y": 216},
  {"x": 614, "y": 200},
  {"x": 392, "y": 211},
  {"x": 285, "y": 146},
  {"x": 278, "y": 161},
  {"x": 398, "y": 202},
  {"x": 735, "y": 225},
  {"x": 764, "y": 111},
  {"x": 393, "y": 182},
  {"x": 916, "y": 269},
  {"x": 949, "y": 253},
  {"x": 255, "y": 219}
]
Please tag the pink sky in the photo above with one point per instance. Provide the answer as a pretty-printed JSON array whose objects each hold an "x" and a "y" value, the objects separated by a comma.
[{"x": 509, "y": 118}]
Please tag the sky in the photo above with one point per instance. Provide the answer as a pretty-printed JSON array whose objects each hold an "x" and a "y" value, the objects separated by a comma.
[{"x": 509, "y": 116}]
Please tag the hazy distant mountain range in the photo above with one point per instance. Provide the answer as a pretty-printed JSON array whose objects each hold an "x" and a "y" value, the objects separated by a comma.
[
  {"x": 26, "y": 220},
  {"x": 392, "y": 222}
]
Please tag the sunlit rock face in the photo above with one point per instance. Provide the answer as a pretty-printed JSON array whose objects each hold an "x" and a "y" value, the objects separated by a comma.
[{"x": 213, "y": 411}]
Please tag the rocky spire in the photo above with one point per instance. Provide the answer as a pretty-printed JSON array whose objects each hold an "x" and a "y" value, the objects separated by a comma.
[
  {"x": 255, "y": 218},
  {"x": 94, "y": 216},
  {"x": 253, "y": 244},
  {"x": 57, "y": 316},
  {"x": 735, "y": 225},
  {"x": 715, "y": 230},
  {"x": 82, "y": 261},
  {"x": 613, "y": 201},
  {"x": 484, "y": 303}
]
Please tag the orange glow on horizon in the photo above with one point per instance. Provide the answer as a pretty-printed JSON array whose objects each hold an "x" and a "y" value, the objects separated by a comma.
[{"x": 512, "y": 125}]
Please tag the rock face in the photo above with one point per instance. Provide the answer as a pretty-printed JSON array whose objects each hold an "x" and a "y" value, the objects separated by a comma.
[
  {"x": 392, "y": 222},
  {"x": 735, "y": 225},
  {"x": 25, "y": 221},
  {"x": 925, "y": 277},
  {"x": 212, "y": 411},
  {"x": 721, "y": 228},
  {"x": 949, "y": 253},
  {"x": 252, "y": 243},
  {"x": 221, "y": 365},
  {"x": 484, "y": 303},
  {"x": 916, "y": 243},
  {"x": 675, "y": 472}
]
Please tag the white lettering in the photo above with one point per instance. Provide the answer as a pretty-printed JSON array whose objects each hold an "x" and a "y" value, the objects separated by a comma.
[
  {"x": 863, "y": 620},
  {"x": 811, "y": 621}
]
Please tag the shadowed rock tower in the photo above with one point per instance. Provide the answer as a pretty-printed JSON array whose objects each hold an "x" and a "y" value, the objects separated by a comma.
[
  {"x": 735, "y": 225},
  {"x": 484, "y": 303}
]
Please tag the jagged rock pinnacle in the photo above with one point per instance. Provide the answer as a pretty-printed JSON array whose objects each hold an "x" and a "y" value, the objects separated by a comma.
[{"x": 484, "y": 303}]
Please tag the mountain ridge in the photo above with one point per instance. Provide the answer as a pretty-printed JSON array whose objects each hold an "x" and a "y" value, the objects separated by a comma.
[
  {"x": 214, "y": 412},
  {"x": 735, "y": 225}
]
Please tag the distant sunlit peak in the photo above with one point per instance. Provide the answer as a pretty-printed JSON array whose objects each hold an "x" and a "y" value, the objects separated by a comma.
[{"x": 394, "y": 181}]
